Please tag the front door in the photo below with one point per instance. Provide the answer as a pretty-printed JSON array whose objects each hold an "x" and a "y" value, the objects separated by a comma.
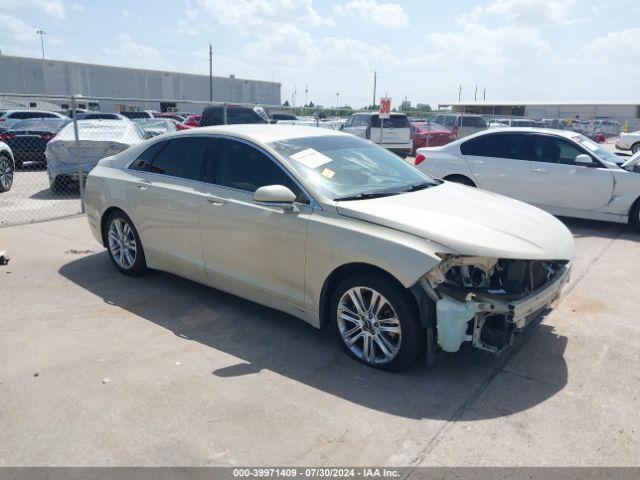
[
  {"x": 558, "y": 182},
  {"x": 250, "y": 249}
]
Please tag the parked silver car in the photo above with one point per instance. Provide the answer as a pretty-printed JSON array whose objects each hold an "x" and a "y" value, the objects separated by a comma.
[{"x": 335, "y": 230}]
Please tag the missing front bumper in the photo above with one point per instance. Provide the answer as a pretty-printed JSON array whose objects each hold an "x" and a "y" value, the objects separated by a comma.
[{"x": 488, "y": 322}]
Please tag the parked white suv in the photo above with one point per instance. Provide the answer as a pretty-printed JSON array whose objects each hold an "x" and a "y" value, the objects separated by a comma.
[
  {"x": 396, "y": 131},
  {"x": 461, "y": 124}
]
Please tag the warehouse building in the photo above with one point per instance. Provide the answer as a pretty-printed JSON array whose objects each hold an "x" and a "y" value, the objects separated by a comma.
[
  {"x": 33, "y": 76},
  {"x": 585, "y": 110}
]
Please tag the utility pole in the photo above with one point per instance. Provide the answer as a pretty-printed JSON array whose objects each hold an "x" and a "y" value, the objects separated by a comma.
[
  {"x": 337, "y": 97},
  {"x": 475, "y": 95},
  {"x": 459, "y": 92},
  {"x": 375, "y": 75},
  {"x": 484, "y": 94},
  {"x": 210, "y": 73},
  {"x": 42, "y": 33},
  {"x": 306, "y": 91}
]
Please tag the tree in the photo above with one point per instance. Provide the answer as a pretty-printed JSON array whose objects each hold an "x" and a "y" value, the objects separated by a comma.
[
  {"x": 311, "y": 105},
  {"x": 286, "y": 103}
]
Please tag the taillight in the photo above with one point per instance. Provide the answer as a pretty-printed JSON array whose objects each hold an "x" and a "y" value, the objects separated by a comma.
[
  {"x": 454, "y": 130},
  {"x": 419, "y": 159},
  {"x": 46, "y": 136},
  {"x": 6, "y": 136}
]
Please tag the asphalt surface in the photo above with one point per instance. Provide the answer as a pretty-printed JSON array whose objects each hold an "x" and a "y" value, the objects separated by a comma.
[{"x": 99, "y": 369}]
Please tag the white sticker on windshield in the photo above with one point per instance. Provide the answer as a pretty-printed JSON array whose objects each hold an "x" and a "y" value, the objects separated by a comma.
[{"x": 311, "y": 158}]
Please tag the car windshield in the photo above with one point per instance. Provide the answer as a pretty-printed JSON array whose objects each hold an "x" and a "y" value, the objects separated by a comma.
[
  {"x": 602, "y": 153},
  {"x": 343, "y": 167}
]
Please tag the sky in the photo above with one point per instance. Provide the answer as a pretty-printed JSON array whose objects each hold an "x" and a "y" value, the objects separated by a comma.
[{"x": 423, "y": 50}]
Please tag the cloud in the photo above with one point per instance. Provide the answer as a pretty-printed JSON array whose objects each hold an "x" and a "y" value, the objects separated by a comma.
[
  {"x": 527, "y": 12},
  {"x": 125, "y": 51},
  {"x": 77, "y": 7},
  {"x": 243, "y": 13},
  {"x": 390, "y": 15},
  {"x": 51, "y": 8},
  {"x": 126, "y": 13}
]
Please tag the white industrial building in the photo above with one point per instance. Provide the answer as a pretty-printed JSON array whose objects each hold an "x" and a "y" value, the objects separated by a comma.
[
  {"x": 34, "y": 76},
  {"x": 585, "y": 110}
]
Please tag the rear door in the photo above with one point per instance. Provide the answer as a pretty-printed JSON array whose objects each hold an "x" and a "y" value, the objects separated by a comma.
[
  {"x": 558, "y": 182},
  {"x": 164, "y": 200},
  {"x": 500, "y": 162}
]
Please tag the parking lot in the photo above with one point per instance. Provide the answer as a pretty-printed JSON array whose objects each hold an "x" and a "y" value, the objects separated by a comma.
[
  {"x": 100, "y": 369},
  {"x": 31, "y": 200}
]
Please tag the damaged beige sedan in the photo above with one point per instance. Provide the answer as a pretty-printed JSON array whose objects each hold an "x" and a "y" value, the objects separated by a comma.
[{"x": 336, "y": 231}]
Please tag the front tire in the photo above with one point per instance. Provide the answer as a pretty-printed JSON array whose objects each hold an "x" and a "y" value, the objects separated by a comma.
[
  {"x": 124, "y": 245},
  {"x": 377, "y": 322},
  {"x": 635, "y": 147},
  {"x": 6, "y": 173}
]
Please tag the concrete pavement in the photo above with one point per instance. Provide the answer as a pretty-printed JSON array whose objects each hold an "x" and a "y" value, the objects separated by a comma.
[{"x": 100, "y": 369}]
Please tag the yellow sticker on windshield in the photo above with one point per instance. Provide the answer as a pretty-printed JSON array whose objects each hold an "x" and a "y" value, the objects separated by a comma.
[{"x": 328, "y": 173}]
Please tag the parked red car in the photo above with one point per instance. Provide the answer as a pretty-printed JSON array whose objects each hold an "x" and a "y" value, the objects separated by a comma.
[
  {"x": 193, "y": 120},
  {"x": 437, "y": 134}
]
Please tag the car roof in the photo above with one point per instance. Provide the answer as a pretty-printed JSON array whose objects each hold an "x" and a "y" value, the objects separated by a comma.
[
  {"x": 550, "y": 131},
  {"x": 263, "y": 133},
  {"x": 376, "y": 113},
  {"x": 8, "y": 112}
]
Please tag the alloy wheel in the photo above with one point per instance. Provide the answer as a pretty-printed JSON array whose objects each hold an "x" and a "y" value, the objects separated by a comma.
[
  {"x": 369, "y": 325},
  {"x": 6, "y": 173},
  {"x": 122, "y": 243}
]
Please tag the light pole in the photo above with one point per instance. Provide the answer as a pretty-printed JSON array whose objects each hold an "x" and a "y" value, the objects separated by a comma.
[
  {"x": 42, "y": 33},
  {"x": 337, "y": 97}
]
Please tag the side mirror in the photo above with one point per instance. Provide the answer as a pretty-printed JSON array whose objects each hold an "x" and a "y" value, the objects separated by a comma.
[
  {"x": 583, "y": 159},
  {"x": 274, "y": 196}
]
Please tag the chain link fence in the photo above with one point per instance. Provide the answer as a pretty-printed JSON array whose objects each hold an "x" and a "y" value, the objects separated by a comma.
[{"x": 48, "y": 144}]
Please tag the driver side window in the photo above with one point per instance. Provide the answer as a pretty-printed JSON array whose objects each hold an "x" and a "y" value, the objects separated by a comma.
[
  {"x": 240, "y": 166},
  {"x": 549, "y": 149}
]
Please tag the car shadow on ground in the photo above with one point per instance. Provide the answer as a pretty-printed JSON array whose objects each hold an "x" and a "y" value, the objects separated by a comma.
[
  {"x": 594, "y": 228},
  {"x": 48, "y": 194},
  {"x": 266, "y": 339}
]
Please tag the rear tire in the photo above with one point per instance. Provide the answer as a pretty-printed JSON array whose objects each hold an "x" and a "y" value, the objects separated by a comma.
[
  {"x": 461, "y": 179},
  {"x": 377, "y": 322},
  {"x": 124, "y": 245},
  {"x": 6, "y": 173},
  {"x": 635, "y": 147}
]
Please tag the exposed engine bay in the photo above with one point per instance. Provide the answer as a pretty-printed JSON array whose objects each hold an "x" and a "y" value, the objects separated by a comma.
[{"x": 487, "y": 300}]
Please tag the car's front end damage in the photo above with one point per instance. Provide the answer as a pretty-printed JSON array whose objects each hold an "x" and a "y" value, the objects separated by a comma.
[{"x": 485, "y": 301}]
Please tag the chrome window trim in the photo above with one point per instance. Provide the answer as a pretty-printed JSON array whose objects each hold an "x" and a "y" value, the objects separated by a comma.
[{"x": 313, "y": 203}]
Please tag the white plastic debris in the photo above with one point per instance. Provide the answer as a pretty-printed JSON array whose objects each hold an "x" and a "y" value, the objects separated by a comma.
[{"x": 106, "y": 380}]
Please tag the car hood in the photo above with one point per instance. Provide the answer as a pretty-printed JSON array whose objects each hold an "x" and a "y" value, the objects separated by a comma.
[{"x": 469, "y": 221}]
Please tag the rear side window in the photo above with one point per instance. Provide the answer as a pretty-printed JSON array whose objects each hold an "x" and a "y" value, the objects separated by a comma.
[
  {"x": 449, "y": 121},
  {"x": 179, "y": 157},
  {"x": 514, "y": 146},
  {"x": 475, "y": 122},
  {"x": 475, "y": 146}
]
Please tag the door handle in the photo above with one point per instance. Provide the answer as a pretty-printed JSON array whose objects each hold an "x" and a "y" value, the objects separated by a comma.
[
  {"x": 215, "y": 201},
  {"x": 143, "y": 185},
  {"x": 540, "y": 170},
  {"x": 477, "y": 162}
]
